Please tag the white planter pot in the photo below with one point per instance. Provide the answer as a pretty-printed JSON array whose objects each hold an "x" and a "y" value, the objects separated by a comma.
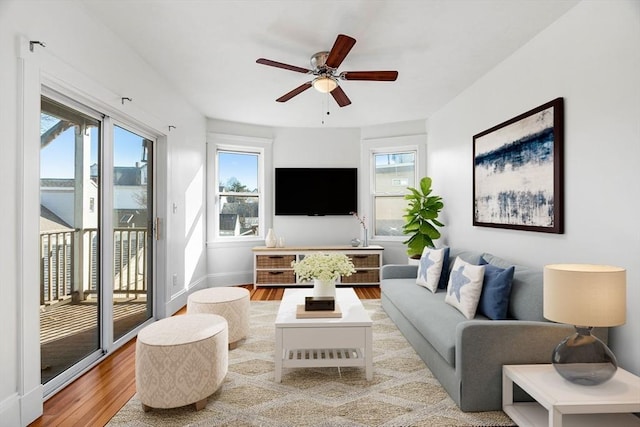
[{"x": 324, "y": 289}]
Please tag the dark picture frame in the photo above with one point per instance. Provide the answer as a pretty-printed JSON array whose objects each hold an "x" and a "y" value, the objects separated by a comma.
[{"x": 518, "y": 172}]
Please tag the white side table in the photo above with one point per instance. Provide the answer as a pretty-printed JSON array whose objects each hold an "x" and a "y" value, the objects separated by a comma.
[{"x": 562, "y": 403}]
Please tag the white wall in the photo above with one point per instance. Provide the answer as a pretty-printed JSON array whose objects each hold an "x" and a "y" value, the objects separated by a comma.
[
  {"x": 591, "y": 57},
  {"x": 290, "y": 147},
  {"x": 85, "y": 58},
  {"x": 313, "y": 148}
]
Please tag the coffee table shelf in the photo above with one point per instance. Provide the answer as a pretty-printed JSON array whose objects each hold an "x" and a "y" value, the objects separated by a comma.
[{"x": 329, "y": 357}]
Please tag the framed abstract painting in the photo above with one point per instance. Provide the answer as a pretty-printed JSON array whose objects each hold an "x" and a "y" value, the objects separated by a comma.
[{"x": 518, "y": 172}]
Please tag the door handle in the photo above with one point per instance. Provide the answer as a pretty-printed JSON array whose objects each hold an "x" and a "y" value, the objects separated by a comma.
[{"x": 156, "y": 228}]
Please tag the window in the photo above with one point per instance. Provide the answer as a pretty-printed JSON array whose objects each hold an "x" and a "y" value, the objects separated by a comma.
[
  {"x": 238, "y": 192},
  {"x": 393, "y": 172}
]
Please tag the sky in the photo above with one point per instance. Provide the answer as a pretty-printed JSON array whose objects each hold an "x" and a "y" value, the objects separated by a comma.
[
  {"x": 57, "y": 158},
  {"x": 242, "y": 166}
]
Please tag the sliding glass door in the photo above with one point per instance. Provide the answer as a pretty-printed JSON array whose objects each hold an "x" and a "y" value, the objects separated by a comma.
[
  {"x": 132, "y": 230},
  {"x": 70, "y": 143},
  {"x": 96, "y": 243}
]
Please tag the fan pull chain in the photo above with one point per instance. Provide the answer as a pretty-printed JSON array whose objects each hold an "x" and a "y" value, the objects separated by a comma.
[{"x": 325, "y": 107}]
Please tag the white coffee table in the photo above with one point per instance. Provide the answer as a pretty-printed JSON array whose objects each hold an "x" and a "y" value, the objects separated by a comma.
[
  {"x": 323, "y": 342},
  {"x": 561, "y": 403}
]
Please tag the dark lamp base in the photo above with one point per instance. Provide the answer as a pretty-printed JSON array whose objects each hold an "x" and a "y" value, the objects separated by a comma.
[{"x": 583, "y": 359}]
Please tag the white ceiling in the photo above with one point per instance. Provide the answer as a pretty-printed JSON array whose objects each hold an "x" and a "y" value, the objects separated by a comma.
[{"x": 207, "y": 49}]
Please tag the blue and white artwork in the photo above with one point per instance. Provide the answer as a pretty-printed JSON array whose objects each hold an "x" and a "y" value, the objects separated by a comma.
[{"x": 514, "y": 181}]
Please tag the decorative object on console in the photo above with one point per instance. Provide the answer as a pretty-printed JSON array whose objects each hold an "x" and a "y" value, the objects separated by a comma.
[
  {"x": 355, "y": 242},
  {"x": 363, "y": 222},
  {"x": 270, "y": 240},
  {"x": 465, "y": 287},
  {"x": 430, "y": 268},
  {"x": 421, "y": 218},
  {"x": 585, "y": 296},
  {"x": 518, "y": 174},
  {"x": 325, "y": 269}
]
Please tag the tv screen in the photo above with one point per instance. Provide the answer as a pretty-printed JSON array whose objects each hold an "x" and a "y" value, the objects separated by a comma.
[{"x": 316, "y": 191}]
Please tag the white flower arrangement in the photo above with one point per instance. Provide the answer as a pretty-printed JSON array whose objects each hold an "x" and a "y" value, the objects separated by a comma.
[{"x": 324, "y": 267}]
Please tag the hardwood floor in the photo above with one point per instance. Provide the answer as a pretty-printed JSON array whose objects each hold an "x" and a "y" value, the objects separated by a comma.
[{"x": 98, "y": 395}]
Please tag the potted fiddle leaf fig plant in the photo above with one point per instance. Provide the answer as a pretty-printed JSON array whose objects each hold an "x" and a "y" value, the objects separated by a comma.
[{"x": 421, "y": 222}]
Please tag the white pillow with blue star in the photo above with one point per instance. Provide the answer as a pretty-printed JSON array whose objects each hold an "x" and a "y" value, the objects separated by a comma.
[
  {"x": 465, "y": 287},
  {"x": 430, "y": 268}
]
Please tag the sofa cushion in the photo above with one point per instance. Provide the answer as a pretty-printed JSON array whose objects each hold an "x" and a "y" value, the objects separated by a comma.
[
  {"x": 430, "y": 267},
  {"x": 496, "y": 289},
  {"x": 427, "y": 312},
  {"x": 525, "y": 302},
  {"x": 465, "y": 287}
]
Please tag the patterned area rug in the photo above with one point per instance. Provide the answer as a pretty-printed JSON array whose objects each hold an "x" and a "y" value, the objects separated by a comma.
[{"x": 403, "y": 391}]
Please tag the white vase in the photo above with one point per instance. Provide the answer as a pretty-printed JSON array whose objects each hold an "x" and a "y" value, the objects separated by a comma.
[
  {"x": 271, "y": 240},
  {"x": 324, "y": 288}
]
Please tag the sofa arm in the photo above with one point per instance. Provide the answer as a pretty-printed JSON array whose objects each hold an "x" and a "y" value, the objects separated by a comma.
[
  {"x": 482, "y": 347},
  {"x": 398, "y": 271}
]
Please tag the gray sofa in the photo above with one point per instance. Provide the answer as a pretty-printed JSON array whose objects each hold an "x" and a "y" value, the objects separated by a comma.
[{"x": 466, "y": 356}]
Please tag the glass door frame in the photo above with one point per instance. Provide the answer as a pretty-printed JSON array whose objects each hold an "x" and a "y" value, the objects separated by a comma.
[
  {"x": 109, "y": 120},
  {"x": 81, "y": 365},
  {"x": 152, "y": 270}
]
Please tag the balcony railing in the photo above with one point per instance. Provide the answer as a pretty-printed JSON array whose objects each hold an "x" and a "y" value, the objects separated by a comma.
[{"x": 70, "y": 264}]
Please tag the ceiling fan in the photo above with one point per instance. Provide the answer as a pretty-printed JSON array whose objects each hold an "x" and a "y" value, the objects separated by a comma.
[{"x": 324, "y": 68}]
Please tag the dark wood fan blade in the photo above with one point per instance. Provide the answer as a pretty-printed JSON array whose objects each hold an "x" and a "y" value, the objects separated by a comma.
[
  {"x": 296, "y": 91},
  {"x": 339, "y": 51},
  {"x": 340, "y": 97},
  {"x": 271, "y": 63},
  {"x": 384, "y": 76}
]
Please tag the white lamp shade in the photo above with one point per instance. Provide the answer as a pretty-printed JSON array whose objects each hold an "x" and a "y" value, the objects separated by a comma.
[
  {"x": 585, "y": 294},
  {"x": 324, "y": 84}
]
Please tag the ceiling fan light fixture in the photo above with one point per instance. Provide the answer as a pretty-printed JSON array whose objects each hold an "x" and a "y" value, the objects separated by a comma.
[{"x": 325, "y": 84}]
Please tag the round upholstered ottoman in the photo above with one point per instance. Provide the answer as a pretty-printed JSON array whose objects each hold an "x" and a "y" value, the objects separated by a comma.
[
  {"x": 230, "y": 302},
  {"x": 181, "y": 360}
]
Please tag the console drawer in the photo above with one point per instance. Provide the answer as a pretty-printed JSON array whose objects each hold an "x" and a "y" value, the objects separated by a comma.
[
  {"x": 364, "y": 261},
  {"x": 362, "y": 276},
  {"x": 274, "y": 261},
  {"x": 275, "y": 277}
]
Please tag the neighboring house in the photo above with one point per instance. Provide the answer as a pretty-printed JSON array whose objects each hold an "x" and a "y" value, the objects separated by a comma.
[
  {"x": 50, "y": 222},
  {"x": 58, "y": 196},
  {"x": 229, "y": 224}
]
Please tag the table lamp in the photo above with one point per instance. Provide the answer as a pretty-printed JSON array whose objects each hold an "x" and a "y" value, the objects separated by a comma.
[{"x": 585, "y": 296}]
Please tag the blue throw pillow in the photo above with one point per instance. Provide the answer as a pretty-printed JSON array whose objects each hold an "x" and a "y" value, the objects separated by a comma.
[
  {"x": 494, "y": 300},
  {"x": 444, "y": 276}
]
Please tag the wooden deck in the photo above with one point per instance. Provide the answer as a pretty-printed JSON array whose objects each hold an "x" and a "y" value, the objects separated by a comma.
[{"x": 68, "y": 332}]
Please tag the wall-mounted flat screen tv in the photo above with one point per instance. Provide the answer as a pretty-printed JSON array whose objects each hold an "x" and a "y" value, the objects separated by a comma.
[{"x": 316, "y": 191}]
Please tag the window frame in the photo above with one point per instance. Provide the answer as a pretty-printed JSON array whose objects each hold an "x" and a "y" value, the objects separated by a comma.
[
  {"x": 393, "y": 145},
  {"x": 241, "y": 145}
]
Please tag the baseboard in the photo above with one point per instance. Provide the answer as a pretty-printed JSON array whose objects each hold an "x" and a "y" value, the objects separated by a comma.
[
  {"x": 18, "y": 410},
  {"x": 10, "y": 411},
  {"x": 230, "y": 279},
  {"x": 31, "y": 405}
]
